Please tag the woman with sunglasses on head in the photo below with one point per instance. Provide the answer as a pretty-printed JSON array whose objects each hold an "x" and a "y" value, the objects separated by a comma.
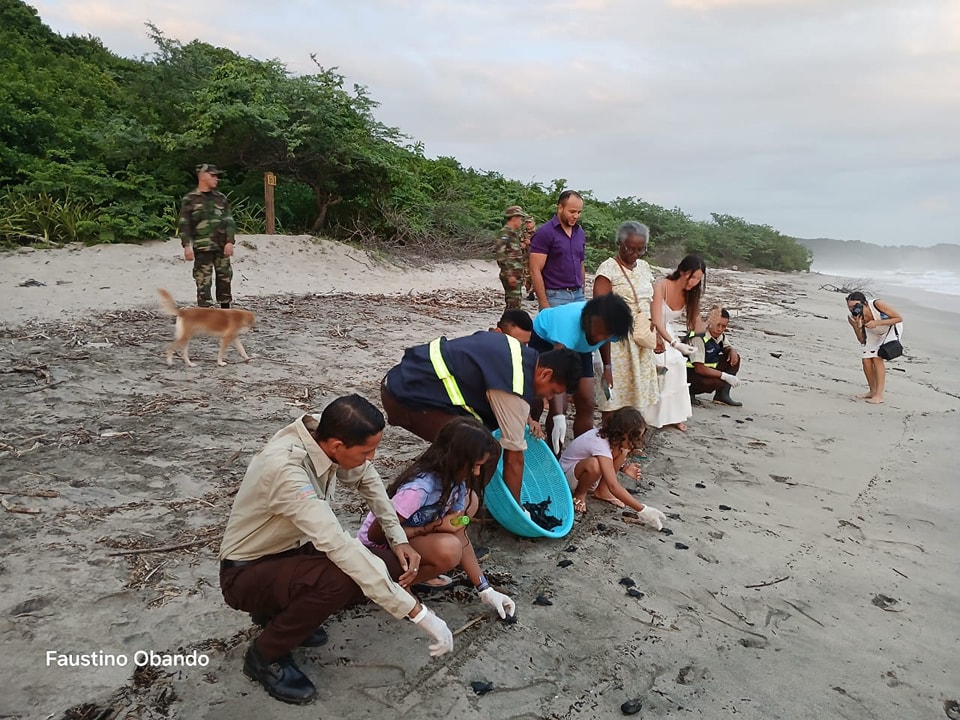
[
  {"x": 872, "y": 322},
  {"x": 629, "y": 368}
]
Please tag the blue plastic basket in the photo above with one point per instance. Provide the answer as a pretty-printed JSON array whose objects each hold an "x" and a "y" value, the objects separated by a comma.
[{"x": 542, "y": 478}]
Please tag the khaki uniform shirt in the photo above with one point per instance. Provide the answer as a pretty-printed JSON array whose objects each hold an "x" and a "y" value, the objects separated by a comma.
[{"x": 284, "y": 501}]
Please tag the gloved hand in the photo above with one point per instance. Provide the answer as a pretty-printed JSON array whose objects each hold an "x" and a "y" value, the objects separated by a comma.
[
  {"x": 731, "y": 380},
  {"x": 502, "y": 603},
  {"x": 559, "y": 432},
  {"x": 652, "y": 517},
  {"x": 437, "y": 628},
  {"x": 683, "y": 347}
]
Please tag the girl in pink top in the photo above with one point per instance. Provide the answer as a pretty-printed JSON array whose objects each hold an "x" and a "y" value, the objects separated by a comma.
[{"x": 435, "y": 497}]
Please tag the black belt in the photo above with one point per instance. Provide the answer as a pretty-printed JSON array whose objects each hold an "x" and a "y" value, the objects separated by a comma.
[
  {"x": 226, "y": 564},
  {"x": 307, "y": 548},
  {"x": 569, "y": 289}
]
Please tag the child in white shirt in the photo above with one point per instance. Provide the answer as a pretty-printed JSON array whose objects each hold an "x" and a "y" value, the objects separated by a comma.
[{"x": 592, "y": 460}]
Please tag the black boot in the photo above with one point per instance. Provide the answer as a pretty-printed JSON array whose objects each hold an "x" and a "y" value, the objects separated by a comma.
[
  {"x": 282, "y": 679},
  {"x": 723, "y": 396},
  {"x": 224, "y": 306},
  {"x": 317, "y": 638}
]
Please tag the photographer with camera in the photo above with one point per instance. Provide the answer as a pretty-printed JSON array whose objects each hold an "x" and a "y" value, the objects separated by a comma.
[{"x": 872, "y": 322}]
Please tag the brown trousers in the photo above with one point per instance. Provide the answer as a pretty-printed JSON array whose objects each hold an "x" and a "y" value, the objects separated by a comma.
[
  {"x": 296, "y": 590},
  {"x": 425, "y": 424}
]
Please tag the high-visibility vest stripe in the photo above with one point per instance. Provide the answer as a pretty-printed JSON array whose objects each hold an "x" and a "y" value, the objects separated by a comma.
[
  {"x": 516, "y": 361},
  {"x": 449, "y": 382}
]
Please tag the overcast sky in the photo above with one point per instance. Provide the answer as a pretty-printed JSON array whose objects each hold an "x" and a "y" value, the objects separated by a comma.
[{"x": 822, "y": 118}]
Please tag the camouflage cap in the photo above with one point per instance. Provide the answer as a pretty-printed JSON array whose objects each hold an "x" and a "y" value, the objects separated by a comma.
[
  {"x": 514, "y": 211},
  {"x": 208, "y": 168}
]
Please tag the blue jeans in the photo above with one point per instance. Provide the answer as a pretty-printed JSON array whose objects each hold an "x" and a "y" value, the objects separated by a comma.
[{"x": 555, "y": 298}]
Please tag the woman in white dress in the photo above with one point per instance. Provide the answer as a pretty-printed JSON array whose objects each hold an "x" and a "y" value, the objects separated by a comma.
[
  {"x": 629, "y": 368},
  {"x": 674, "y": 295}
]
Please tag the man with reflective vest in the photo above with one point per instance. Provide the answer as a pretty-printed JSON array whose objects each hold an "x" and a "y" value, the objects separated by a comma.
[
  {"x": 714, "y": 365},
  {"x": 491, "y": 376}
]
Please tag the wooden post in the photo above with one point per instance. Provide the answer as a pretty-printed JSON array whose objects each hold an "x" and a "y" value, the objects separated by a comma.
[{"x": 269, "y": 182}]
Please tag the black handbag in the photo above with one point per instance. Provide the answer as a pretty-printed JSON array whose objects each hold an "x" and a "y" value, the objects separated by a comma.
[{"x": 890, "y": 349}]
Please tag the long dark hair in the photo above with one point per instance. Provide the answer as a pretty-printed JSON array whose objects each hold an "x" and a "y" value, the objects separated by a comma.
[
  {"x": 460, "y": 444},
  {"x": 691, "y": 298}
]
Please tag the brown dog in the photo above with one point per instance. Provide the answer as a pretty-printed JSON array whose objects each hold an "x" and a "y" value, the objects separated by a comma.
[{"x": 227, "y": 325}]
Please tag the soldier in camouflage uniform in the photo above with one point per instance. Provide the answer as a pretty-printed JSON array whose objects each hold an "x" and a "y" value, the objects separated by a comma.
[
  {"x": 509, "y": 250},
  {"x": 207, "y": 231},
  {"x": 529, "y": 228}
]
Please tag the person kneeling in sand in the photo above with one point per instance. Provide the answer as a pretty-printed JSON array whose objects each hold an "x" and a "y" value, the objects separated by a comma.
[
  {"x": 435, "y": 499},
  {"x": 714, "y": 365},
  {"x": 285, "y": 558},
  {"x": 592, "y": 460}
]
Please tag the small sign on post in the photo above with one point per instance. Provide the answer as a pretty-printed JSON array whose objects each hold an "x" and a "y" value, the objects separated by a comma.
[{"x": 269, "y": 182}]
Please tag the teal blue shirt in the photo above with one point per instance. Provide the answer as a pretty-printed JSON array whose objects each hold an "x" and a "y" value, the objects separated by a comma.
[{"x": 561, "y": 324}]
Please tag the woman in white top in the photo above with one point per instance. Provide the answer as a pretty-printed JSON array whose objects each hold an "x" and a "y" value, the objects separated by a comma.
[
  {"x": 629, "y": 368},
  {"x": 677, "y": 294},
  {"x": 872, "y": 322}
]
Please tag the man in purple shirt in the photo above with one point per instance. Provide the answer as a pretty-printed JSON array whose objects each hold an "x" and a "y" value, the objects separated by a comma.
[{"x": 557, "y": 251}]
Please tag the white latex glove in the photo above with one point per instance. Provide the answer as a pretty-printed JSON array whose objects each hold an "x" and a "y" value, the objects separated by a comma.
[
  {"x": 683, "y": 347},
  {"x": 502, "y": 603},
  {"x": 652, "y": 517},
  {"x": 731, "y": 380},
  {"x": 559, "y": 432},
  {"x": 427, "y": 621}
]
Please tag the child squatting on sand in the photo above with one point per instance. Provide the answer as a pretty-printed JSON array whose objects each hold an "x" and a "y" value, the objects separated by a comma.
[
  {"x": 592, "y": 460},
  {"x": 435, "y": 497}
]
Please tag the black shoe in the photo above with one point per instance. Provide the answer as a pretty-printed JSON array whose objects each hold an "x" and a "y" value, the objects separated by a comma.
[
  {"x": 317, "y": 638},
  {"x": 723, "y": 396},
  {"x": 224, "y": 306},
  {"x": 281, "y": 679}
]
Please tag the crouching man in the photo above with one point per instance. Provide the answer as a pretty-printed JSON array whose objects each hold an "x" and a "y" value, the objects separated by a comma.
[
  {"x": 714, "y": 365},
  {"x": 285, "y": 558}
]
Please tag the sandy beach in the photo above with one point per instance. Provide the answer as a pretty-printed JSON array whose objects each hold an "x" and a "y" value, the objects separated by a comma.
[{"x": 813, "y": 576}]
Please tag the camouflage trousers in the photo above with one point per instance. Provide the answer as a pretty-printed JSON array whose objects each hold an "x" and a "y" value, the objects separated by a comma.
[
  {"x": 512, "y": 281},
  {"x": 205, "y": 265}
]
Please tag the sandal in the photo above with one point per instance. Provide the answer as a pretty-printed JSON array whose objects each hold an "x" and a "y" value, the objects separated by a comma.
[{"x": 438, "y": 584}]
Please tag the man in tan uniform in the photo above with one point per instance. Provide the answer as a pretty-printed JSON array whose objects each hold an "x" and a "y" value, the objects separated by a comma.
[{"x": 286, "y": 559}]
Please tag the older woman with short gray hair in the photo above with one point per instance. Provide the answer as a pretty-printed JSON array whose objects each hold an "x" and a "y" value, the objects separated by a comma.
[{"x": 629, "y": 367}]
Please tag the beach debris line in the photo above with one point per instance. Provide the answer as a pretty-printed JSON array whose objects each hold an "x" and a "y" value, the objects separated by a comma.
[{"x": 10, "y": 507}]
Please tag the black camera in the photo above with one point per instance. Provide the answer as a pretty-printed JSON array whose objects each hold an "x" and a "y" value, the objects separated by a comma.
[{"x": 857, "y": 310}]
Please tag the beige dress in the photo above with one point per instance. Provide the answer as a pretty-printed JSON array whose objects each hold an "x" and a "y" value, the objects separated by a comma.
[{"x": 634, "y": 367}]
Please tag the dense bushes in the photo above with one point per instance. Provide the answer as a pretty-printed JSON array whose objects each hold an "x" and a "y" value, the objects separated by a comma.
[{"x": 96, "y": 148}]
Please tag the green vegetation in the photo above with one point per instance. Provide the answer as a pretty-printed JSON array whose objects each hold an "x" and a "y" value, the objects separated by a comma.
[{"x": 95, "y": 148}]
